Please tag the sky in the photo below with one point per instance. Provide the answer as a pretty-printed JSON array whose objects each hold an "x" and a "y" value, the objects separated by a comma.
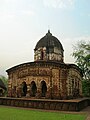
[{"x": 24, "y": 22}]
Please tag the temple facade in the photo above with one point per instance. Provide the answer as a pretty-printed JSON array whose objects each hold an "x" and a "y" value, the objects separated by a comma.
[{"x": 48, "y": 76}]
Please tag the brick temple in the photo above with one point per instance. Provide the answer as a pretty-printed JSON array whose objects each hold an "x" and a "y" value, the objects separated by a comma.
[{"x": 47, "y": 77}]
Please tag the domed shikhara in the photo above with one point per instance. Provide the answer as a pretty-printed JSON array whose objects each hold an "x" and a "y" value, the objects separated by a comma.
[{"x": 48, "y": 48}]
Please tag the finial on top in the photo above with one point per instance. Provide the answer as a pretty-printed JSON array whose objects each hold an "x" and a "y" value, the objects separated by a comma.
[
  {"x": 48, "y": 30},
  {"x": 48, "y": 34}
]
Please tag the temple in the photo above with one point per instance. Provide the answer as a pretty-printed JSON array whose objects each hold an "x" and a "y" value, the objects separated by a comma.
[{"x": 47, "y": 77}]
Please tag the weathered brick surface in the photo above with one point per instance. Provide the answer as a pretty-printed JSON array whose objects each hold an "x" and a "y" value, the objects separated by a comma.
[
  {"x": 62, "y": 105},
  {"x": 61, "y": 82}
]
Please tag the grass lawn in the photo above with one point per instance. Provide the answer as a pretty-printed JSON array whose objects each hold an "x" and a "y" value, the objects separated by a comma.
[{"x": 23, "y": 114}]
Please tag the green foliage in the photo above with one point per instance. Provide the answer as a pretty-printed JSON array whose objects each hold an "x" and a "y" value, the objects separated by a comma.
[
  {"x": 21, "y": 114},
  {"x": 5, "y": 81},
  {"x": 82, "y": 55},
  {"x": 86, "y": 88}
]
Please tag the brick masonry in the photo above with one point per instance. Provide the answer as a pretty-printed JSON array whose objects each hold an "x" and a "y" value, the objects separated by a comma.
[
  {"x": 61, "y": 105},
  {"x": 60, "y": 81}
]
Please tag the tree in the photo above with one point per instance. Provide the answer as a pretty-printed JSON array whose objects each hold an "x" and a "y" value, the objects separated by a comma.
[
  {"x": 86, "y": 88},
  {"x": 82, "y": 55},
  {"x": 5, "y": 81}
]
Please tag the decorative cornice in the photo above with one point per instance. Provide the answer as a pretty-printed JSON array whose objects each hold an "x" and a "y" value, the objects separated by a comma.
[{"x": 44, "y": 64}]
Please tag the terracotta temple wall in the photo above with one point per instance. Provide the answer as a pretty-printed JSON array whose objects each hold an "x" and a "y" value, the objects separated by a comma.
[{"x": 61, "y": 83}]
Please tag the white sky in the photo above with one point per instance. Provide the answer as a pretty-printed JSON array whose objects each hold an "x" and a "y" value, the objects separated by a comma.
[{"x": 23, "y": 23}]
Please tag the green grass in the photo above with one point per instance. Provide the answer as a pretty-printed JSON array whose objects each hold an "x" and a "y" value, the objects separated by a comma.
[{"x": 23, "y": 114}]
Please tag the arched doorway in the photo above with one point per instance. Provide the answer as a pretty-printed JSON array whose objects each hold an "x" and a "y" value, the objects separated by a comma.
[
  {"x": 24, "y": 89},
  {"x": 42, "y": 55},
  {"x": 33, "y": 89},
  {"x": 43, "y": 88}
]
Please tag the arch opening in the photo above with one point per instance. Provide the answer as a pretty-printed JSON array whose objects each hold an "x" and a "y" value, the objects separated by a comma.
[
  {"x": 42, "y": 55},
  {"x": 43, "y": 88},
  {"x": 33, "y": 89},
  {"x": 24, "y": 89}
]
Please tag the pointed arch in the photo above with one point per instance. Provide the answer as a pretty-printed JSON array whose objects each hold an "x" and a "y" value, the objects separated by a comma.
[
  {"x": 43, "y": 88},
  {"x": 33, "y": 89},
  {"x": 24, "y": 88},
  {"x": 42, "y": 55}
]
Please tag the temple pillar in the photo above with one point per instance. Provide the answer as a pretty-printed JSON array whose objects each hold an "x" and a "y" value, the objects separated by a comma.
[{"x": 28, "y": 90}]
